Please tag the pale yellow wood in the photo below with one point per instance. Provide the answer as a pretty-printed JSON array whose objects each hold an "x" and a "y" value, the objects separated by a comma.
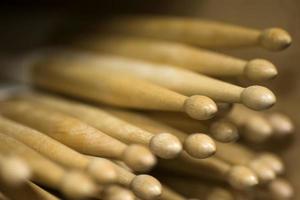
[
  {"x": 115, "y": 127},
  {"x": 101, "y": 170},
  {"x": 115, "y": 192},
  {"x": 43, "y": 193},
  {"x": 200, "y": 32},
  {"x": 74, "y": 74},
  {"x": 71, "y": 131},
  {"x": 72, "y": 184},
  {"x": 169, "y": 194},
  {"x": 180, "y": 55}
]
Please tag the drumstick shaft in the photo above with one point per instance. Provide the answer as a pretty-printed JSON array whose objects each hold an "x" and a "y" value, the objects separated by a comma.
[
  {"x": 204, "y": 33},
  {"x": 196, "y": 59}
]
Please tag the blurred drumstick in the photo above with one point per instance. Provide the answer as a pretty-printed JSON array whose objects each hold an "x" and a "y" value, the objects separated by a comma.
[
  {"x": 180, "y": 80},
  {"x": 101, "y": 170},
  {"x": 169, "y": 194},
  {"x": 245, "y": 156},
  {"x": 73, "y": 74},
  {"x": 202, "y": 189},
  {"x": 163, "y": 145},
  {"x": 221, "y": 130},
  {"x": 280, "y": 189},
  {"x": 281, "y": 124},
  {"x": 239, "y": 177},
  {"x": 3, "y": 197},
  {"x": 197, "y": 145},
  {"x": 199, "y": 60},
  {"x": 204, "y": 33},
  {"x": 75, "y": 133},
  {"x": 13, "y": 170},
  {"x": 143, "y": 186},
  {"x": 273, "y": 161},
  {"x": 115, "y": 192},
  {"x": 255, "y": 128},
  {"x": 73, "y": 184}
]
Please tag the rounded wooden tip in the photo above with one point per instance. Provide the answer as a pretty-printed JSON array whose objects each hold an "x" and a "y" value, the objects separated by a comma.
[
  {"x": 165, "y": 145},
  {"x": 275, "y": 39},
  {"x": 281, "y": 189},
  {"x": 199, "y": 145},
  {"x": 146, "y": 187},
  {"x": 77, "y": 185},
  {"x": 258, "y": 97},
  {"x": 282, "y": 125},
  {"x": 224, "y": 131},
  {"x": 139, "y": 158},
  {"x": 242, "y": 177},
  {"x": 264, "y": 172},
  {"x": 102, "y": 170},
  {"x": 272, "y": 161},
  {"x": 114, "y": 192},
  {"x": 260, "y": 70},
  {"x": 200, "y": 107},
  {"x": 257, "y": 129},
  {"x": 14, "y": 171}
]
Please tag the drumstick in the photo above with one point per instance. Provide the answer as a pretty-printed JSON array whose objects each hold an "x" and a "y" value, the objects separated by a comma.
[
  {"x": 169, "y": 194},
  {"x": 73, "y": 184},
  {"x": 272, "y": 161},
  {"x": 13, "y": 170},
  {"x": 163, "y": 145},
  {"x": 143, "y": 186},
  {"x": 72, "y": 74},
  {"x": 41, "y": 192},
  {"x": 115, "y": 192},
  {"x": 101, "y": 170},
  {"x": 196, "y": 59},
  {"x": 255, "y": 128},
  {"x": 180, "y": 80},
  {"x": 281, "y": 189},
  {"x": 202, "y": 189},
  {"x": 281, "y": 124},
  {"x": 204, "y": 33},
  {"x": 244, "y": 156},
  {"x": 197, "y": 145},
  {"x": 221, "y": 130},
  {"x": 237, "y": 176},
  {"x": 76, "y": 134}
]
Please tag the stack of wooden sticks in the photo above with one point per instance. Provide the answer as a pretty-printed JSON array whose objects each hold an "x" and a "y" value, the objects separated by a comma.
[{"x": 137, "y": 93}]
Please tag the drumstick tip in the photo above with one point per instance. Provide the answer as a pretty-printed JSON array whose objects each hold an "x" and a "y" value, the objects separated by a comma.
[
  {"x": 77, "y": 185},
  {"x": 199, "y": 145},
  {"x": 14, "y": 171},
  {"x": 258, "y": 97},
  {"x": 165, "y": 145},
  {"x": 102, "y": 170},
  {"x": 242, "y": 177},
  {"x": 114, "y": 192},
  {"x": 146, "y": 187},
  {"x": 257, "y": 129},
  {"x": 200, "y": 107},
  {"x": 224, "y": 131},
  {"x": 264, "y": 173},
  {"x": 139, "y": 158},
  {"x": 275, "y": 39},
  {"x": 273, "y": 161},
  {"x": 281, "y": 124},
  {"x": 281, "y": 189},
  {"x": 260, "y": 70}
]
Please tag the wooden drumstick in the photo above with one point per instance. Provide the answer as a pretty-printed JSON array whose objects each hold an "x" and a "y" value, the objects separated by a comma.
[
  {"x": 244, "y": 156},
  {"x": 101, "y": 170},
  {"x": 115, "y": 192},
  {"x": 282, "y": 125},
  {"x": 255, "y": 128},
  {"x": 13, "y": 170},
  {"x": 180, "y": 80},
  {"x": 239, "y": 177},
  {"x": 180, "y": 55},
  {"x": 272, "y": 161},
  {"x": 169, "y": 194},
  {"x": 221, "y": 130},
  {"x": 163, "y": 145},
  {"x": 143, "y": 186},
  {"x": 280, "y": 189},
  {"x": 73, "y": 74},
  {"x": 75, "y": 133},
  {"x": 197, "y": 145},
  {"x": 196, "y": 188},
  {"x": 41, "y": 192},
  {"x": 73, "y": 184},
  {"x": 204, "y": 33}
]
